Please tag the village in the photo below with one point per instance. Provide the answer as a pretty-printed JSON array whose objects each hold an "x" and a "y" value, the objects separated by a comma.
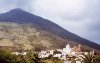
[{"x": 66, "y": 54}]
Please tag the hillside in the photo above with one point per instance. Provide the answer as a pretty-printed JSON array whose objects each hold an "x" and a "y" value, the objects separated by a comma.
[
  {"x": 27, "y": 36},
  {"x": 19, "y": 27}
]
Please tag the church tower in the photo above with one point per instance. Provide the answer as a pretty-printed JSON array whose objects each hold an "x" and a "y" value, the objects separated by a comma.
[
  {"x": 67, "y": 50},
  {"x": 79, "y": 48}
]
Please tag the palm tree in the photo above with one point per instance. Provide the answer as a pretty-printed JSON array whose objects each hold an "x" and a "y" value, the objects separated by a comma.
[{"x": 88, "y": 58}]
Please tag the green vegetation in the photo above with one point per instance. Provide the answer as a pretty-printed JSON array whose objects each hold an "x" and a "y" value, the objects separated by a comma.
[
  {"x": 91, "y": 59},
  {"x": 97, "y": 59},
  {"x": 31, "y": 57},
  {"x": 7, "y": 57},
  {"x": 51, "y": 59}
]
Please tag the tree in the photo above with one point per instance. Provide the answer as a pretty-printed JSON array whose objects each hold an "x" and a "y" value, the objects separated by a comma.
[
  {"x": 97, "y": 59},
  {"x": 88, "y": 58},
  {"x": 6, "y": 56},
  {"x": 33, "y": 57}
]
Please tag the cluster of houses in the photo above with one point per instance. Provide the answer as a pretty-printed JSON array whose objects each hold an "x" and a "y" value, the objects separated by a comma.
[{"x": 66, "y": 53}]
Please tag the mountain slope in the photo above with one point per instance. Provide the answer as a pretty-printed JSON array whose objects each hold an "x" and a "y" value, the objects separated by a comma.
[{"x": 21, "y": 17}]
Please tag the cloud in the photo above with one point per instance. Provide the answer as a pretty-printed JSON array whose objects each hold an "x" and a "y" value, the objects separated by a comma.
[
  {"x": 77, "y": 16},
  {"x": 60, "y": 7},
  {"x": 6, "y": 5}
]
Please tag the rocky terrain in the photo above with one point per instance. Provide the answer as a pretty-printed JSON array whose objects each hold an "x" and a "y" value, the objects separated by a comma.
[
  {"x": 21, "y": 29},
  {"x": 27, "y": 36}
]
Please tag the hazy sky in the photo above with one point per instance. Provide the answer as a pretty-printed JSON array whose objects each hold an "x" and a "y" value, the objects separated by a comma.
[{"x": 81, "y": 17}]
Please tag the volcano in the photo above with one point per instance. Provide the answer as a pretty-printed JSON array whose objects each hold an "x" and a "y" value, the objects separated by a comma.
[{"x": 47, "y": 34}]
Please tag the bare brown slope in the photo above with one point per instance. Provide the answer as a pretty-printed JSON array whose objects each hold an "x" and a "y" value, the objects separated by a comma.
[{"x": 20, "y": 16}]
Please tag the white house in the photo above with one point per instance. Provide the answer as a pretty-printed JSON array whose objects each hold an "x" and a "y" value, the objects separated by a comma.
[
  {"x": 23, "y": 53},
  {"x": 16, "y": 53},
  {"x": 19, "y": 53},
  {"x": 57, "y": 55}
]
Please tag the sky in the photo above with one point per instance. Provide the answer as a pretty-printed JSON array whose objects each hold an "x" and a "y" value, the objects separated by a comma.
[{"x": 81, "y": 17}]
